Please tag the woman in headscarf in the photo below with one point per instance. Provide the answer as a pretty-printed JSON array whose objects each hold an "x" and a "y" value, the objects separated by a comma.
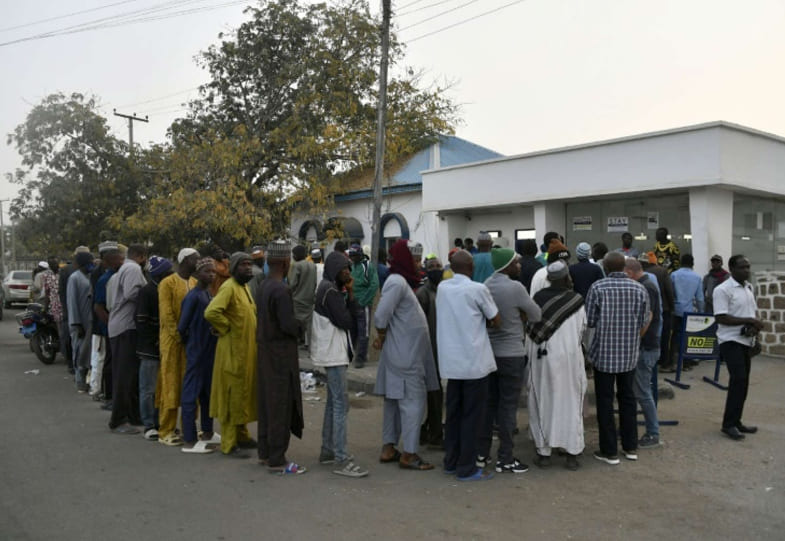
[{"x": 406, "y": 366}]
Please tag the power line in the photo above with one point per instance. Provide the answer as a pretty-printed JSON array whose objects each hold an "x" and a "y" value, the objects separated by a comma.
[
  {"x": 128, "y": 17},
  {"x": 445, "y": 12},
  {"x": 448, "y": 27},
  {"x": 410, "y": 4},
  {"x": 65, "y": 16},
  {"x": 423, "y": 8},
  {"x": 187, "y": 90}
]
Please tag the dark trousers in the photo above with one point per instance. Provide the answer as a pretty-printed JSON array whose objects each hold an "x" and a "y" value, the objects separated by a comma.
[
  {"x": 361, "y": 339},
  {"x": 504, "y": 390},
  {"x": 196, "y": 388},
  {"x": 676, "y": 333},
  {"x": 665, "y": 339},
  {"x": 737, "y": 359},
  {"x": 432, "y": 431},
  {"x": 106, "y": 376},
  {"x": 625, "y": 395},
  {"x": 125, "y": 380},
  {"x": 466, "y": 404}
]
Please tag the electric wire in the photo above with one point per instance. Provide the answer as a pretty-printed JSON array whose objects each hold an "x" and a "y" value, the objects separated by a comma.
[
  {"x": 65, "y": 16},
  {"x": 459, "y": 23},
  {"x": 432, "y": 17}
]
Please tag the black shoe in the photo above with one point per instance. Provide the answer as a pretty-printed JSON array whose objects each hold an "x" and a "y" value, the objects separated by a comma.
[
  {"x": 542, "y": 461},
  {"x": 733, "y": 433},
  {"x": 747, "y": 429},
  {"x": 248, "y": 444},
  {"x": 106, "y": 406}
]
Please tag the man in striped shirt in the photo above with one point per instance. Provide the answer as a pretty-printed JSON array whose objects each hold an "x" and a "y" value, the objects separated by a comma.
[{"x": 618, "y": 310}]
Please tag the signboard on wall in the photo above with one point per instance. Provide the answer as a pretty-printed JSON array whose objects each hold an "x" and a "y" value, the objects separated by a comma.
[
  {"x": 653, "y": 220},
  {"x": 618, "y": 224},
  {"x": 581, "y": 223}
]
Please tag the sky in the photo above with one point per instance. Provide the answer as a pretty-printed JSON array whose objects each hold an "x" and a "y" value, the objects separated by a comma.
[{"x": 533, "y": 75}]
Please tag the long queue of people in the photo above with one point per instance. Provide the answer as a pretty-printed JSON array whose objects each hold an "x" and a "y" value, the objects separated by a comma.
[{"x": 218, "y": 337}]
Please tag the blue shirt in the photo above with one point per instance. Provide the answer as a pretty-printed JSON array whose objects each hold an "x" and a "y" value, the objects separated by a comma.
[
  {"x": 99, "y": 297},
  {"x": 483, "y": 268},
  {"x": 617, "y": 308},
  {"x": 688, "y": 289},
  {"x": 195, "y": 330}
]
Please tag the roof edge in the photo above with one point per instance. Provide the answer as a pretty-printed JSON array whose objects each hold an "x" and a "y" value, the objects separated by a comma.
[{"x": 617, "y": 140}]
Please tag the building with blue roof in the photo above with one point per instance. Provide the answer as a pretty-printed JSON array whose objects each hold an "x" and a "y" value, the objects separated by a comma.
[{"x": 402, "y": 215}]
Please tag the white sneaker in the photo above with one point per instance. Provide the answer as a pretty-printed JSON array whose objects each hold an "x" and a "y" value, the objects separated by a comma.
[{"x": 630, "y": 455}]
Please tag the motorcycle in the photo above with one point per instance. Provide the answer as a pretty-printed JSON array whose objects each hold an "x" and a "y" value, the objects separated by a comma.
[{"x": 39, "y": 327}]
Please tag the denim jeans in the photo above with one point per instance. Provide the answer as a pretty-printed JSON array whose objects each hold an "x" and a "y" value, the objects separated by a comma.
[
  {"x": 647, "y": 359},
  {"x": 335, "y": 411},
  {"x": 148, "y": 376}
]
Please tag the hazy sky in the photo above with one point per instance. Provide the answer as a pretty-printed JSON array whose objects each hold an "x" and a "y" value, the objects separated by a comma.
[{"x": 535, "y": 75}]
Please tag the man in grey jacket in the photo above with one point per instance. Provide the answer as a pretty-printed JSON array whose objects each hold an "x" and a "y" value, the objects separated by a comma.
[{"x": 79, "y": 296}]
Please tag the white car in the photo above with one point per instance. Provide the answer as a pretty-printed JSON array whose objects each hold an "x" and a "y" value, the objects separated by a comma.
[{"x": 16, "y": 287}]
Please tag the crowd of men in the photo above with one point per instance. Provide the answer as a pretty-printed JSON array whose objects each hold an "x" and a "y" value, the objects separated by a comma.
[{"x": 217, "y": 338}]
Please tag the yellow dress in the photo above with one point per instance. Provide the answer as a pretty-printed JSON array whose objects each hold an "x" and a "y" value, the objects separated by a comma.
[
  {"x": 171, "y": 292},
  {"x": 232, "y": 313}
]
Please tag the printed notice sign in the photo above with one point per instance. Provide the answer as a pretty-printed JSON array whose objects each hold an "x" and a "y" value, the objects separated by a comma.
[
  {"x": 618, "y": 224},
  {"x": 581, "y": 223}
]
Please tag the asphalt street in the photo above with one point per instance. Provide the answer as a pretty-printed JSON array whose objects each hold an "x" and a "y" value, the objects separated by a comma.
[{"x": 66, "y": 477}]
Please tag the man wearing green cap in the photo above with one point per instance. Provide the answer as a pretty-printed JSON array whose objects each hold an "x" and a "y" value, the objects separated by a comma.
[{"x": 504, "y": 386}]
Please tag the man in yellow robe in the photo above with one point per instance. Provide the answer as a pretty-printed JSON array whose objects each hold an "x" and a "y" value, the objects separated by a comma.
[
  {"x": 171, "y": 292},
  {"x": 232, "y": 313}
]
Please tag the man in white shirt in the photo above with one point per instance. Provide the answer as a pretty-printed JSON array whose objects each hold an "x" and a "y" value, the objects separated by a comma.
[
  {"x": 737, "y": 327},
  {"x": 463, "y": 311}
]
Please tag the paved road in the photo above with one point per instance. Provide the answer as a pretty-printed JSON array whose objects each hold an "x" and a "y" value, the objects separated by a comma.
[{"x": 65, "y": 476}]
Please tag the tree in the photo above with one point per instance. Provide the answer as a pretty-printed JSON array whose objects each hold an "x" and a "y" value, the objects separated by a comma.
[
  {"x": 74, "y": 174},
  {"x": 300, "y": 83}
]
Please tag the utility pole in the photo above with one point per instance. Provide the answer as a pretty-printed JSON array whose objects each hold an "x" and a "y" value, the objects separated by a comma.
[
  {"x": 131, "y": 119},
  {"x": 380, "y": 134},
  {"x": 2, "y": 238}
]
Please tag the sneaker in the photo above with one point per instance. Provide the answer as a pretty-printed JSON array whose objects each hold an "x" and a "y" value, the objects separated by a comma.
[
  {"x": 542, "y": 461},
  {"x": 348, "y": 468},
  {"x": 478, "y": 475},
  {"x": 326, "y": 458},
  {"x": 647, "y": 440},
  {"x": 630, "y": 455},
  {"x": 481, "y": 461},
  {"x": 613, "y": 460},
  {"x": 151, "y": 434},
  {"x": 513, "y": 467}
]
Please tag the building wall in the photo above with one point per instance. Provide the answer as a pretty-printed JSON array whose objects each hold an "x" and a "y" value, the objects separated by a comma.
[{"x": 770, "y": 293}]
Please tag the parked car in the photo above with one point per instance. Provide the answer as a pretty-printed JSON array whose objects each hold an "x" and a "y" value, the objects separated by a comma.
[{"x": 16, "y": 287}]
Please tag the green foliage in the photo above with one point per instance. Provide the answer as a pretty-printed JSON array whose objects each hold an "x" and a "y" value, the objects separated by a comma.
[
  {"x": 291, "y": 104},
  {"x": 74, "y": 175}
]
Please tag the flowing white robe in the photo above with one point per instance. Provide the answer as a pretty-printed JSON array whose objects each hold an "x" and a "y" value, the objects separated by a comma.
[
  {"x": 539, "y": 281},
  {"x": 557, "y": 385}
]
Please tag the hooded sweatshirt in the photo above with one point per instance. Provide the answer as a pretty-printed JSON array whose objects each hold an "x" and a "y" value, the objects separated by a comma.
[{"x": 330, "y": 300}]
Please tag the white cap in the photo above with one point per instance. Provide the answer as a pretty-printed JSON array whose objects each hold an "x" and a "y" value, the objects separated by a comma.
[
  {"x": 43, "y": 264},
  {"x": 185, "y": 252}
]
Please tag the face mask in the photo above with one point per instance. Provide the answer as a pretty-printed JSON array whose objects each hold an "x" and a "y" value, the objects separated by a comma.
[{"x": 435, "y": 276}]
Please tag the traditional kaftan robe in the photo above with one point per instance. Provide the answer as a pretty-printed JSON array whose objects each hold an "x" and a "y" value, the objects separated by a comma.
[
  {"x": 80, "y": 312},
  {"x": 171, "y": 292},
  {"x": 557, "y": 384},
  {"x": 280, "y": 400},
  {"x": 539, "y": 281},
  {"x": 232, "y": 313},
  {"x": 406, "y": 366},
  {"x": 302, "y": 283}
]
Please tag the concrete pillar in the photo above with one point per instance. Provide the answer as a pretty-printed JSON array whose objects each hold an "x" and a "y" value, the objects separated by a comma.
[
  {"x": 549, "y": 216},
  {"x": 711, "y": 224}
]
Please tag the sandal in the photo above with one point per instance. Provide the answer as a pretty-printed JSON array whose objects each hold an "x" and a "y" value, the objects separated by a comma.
[
  {"x": 200, "y": 448},
  {"x": 415, "y": 463},
  {"x": 350, "y": 469},
  {"x": 171, "y": 439},
  {"x": 395, "y": 457},
  {"x": 290, "y": 469}
]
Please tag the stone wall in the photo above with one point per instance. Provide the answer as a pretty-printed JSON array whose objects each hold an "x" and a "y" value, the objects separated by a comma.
[{"x": 770, "y": 293}]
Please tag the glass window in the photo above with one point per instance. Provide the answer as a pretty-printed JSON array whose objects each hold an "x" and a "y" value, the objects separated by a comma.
[{"x": 759, "y": 231}]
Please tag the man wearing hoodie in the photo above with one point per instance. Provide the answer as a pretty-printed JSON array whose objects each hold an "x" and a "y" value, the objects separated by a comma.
[
  {"x": 332, "y": 322},
  {"x": 715, "y": 277}
]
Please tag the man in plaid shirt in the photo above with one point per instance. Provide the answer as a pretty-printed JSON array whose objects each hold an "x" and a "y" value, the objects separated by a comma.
[{"x": 618, "y": 310}]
